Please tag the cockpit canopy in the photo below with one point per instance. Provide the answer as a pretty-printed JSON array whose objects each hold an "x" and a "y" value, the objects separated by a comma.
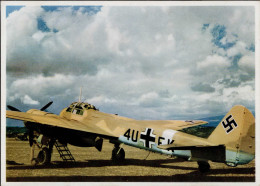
[{"x": 80, "y": 107}]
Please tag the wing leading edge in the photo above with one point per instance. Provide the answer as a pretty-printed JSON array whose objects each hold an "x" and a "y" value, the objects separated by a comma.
[{"x": 57, "y": 121}]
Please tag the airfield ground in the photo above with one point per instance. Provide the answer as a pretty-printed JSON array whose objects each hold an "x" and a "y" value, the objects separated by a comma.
[{"x": 94, "y": 166}]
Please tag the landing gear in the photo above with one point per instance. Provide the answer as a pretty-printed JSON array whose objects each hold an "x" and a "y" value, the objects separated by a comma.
[
  {"x": 118, "y": 154},
  {"x": 44, "y": 156},
  {"x": 45, "y": 145},
  {"x": 203, "y": 166}
]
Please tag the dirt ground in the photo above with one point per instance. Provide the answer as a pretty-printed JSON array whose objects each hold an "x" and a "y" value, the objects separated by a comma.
[{"x": 92, "y": 165}]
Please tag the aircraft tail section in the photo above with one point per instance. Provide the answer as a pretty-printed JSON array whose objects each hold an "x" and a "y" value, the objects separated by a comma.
[{"x": 237, "y": 132}]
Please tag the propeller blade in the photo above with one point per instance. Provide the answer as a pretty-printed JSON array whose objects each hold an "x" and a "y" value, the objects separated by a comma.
[
  {"x": 46, "y": 106},
  {"x": 13, "y": 108}
]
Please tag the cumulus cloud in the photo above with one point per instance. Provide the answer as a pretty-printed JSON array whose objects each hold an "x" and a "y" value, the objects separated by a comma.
[
  {"x": 141, "y": 62},
  {"x": 203, "y": 88},
  {"x": 213, "y": 62},
  {"x": 247, "y": 63},
  {"x": 27, "y": 100}
]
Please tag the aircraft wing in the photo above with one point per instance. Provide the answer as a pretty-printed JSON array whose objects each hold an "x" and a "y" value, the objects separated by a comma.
[
  {"x": 99, "y": 123},
  {"x": 171, "y": 124},
  {"x": 189, "y": 123},
  {"x": 57, "y": 121}
]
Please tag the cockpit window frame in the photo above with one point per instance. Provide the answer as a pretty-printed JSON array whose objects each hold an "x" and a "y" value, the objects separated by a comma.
[{"x": 80, "y": 108}]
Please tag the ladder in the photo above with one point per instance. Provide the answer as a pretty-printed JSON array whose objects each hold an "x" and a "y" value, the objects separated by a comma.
[{"x": 64, "y": 152}]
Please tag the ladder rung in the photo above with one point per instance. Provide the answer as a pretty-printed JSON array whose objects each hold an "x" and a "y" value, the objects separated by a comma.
[{"x": 64, "y": 152}]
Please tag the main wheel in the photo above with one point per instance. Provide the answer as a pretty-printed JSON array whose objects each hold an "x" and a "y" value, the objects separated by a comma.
[
  {"x": 203, "y": 166},
  {"x": 118, "y": 155},
  {"x": 44, "y": 156}
]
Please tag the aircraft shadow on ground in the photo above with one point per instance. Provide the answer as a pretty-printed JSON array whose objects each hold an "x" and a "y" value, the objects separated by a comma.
[
  {"x": 102, "y": 163},
  {"x": 215, "y": 175}
]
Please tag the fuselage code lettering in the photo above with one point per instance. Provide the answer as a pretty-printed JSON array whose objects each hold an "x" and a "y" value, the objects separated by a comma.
[{"x": 147, "y": 137}]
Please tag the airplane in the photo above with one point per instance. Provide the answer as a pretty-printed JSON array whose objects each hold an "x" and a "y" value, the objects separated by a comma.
[{"x": 81, "y": 124}]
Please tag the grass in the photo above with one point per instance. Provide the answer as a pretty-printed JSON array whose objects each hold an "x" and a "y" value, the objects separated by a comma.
[{"x": 92, "y": 165}]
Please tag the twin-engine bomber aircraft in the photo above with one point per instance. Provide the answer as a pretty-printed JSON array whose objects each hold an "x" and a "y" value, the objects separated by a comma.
[{"x": 81, "y": 124}]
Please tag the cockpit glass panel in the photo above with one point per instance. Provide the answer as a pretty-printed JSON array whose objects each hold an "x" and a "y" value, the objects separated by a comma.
[
  {"x": 79, "y": 112},
  {"x": 79, "y": 108},
  {"x": 69, "y": 109}
]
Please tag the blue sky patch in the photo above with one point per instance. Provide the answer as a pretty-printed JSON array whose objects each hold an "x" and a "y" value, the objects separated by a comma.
[
  {"x": 55, "y": 30},
  {"x": 41, "y": 24},
  {"x": 218, "y": 33},
  {"x": 10, "y": 9},
  {"x": 205, "y": 26},
  {"x": 84, "y": 9},
  {"x": 251, "y": 47}
]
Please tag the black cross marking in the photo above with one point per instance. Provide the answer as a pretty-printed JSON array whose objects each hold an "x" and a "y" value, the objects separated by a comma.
[
  {"x": 148, "y": 137},
  {"x": 229, "y": 123}
]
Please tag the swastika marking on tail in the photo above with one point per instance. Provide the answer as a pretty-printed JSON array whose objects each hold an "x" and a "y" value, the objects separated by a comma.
[{"x": 229, "y": 125}]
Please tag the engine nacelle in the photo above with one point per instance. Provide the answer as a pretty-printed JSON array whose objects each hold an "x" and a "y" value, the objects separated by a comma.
[{"x": 39, "y": 112}]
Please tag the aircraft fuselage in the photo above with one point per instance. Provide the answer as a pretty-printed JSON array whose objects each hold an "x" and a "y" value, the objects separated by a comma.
[{"x": 143, "y": 134}]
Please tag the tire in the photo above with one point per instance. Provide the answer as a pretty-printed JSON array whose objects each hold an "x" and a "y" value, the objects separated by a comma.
[
  {"x": 44, "y": 156},
  {"x": 118, "y": 156},
  {"x": 203, "y": 166}
]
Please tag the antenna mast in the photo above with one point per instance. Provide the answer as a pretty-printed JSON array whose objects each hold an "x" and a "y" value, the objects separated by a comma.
[{"x": 80, "y": 94}]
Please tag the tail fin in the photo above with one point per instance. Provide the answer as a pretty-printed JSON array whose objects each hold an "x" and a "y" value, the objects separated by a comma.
[{"x": 237, "y": 132}]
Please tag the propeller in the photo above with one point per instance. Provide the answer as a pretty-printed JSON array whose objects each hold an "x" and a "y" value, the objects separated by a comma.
[
  {"x": 30, "y": 130},
  {"x": 42, "y": 109},
  {"x": 13, "y": 108},
  {"x": 46, "y": 106}
]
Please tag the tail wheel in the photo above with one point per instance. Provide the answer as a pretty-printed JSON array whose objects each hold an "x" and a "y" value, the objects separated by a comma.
[
  {"x": 118, "y": 155},
  {"x": 203, "y": 166},
  {"x": 44, "y": 156}
]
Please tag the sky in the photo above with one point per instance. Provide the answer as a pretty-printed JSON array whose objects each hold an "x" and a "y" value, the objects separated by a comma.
[{"x": 143, "y": 62}]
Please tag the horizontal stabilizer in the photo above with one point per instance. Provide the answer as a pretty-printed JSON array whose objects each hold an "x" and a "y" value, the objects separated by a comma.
[{"x": 213, "y": 153}]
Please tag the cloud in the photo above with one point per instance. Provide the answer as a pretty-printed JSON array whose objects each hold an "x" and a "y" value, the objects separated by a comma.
[
  {"x": 27, "y": 100},
  {"x": 240, "y": 47},
  {"x": 247, "y": 63},
  {"x": 213, "y": 62},
  {"x": 203, "y": 88},
  {"x": 141, "y": 62},
  {"x": 219, "y": 37}
]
